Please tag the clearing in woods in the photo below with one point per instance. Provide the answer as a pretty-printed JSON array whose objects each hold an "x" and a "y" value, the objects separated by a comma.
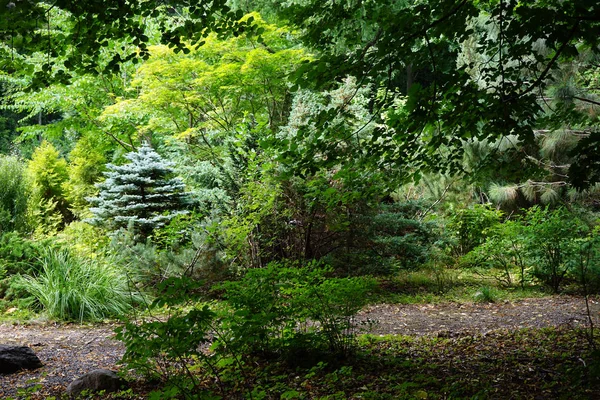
[{"x": 70, "y": 350}]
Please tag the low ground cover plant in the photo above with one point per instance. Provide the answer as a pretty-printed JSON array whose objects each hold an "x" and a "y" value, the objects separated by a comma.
[{"x": 295, "y": 315}]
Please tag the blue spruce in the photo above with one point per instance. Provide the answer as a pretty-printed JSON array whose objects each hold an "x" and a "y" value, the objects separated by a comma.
[{"x": 142, "y": 195}]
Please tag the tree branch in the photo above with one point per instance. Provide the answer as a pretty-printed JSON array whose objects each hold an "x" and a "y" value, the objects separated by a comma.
[
  {"x": 587, "y": 100},
  {"x": 126, "y": 146},
  {"x": 370, "y": 44},
  {"x": 550, "y": 64}
]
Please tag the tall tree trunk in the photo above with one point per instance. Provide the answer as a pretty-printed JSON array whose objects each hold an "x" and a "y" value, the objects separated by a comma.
[
  {"x": 409, "y": 77},
  {"x": 39, "y": 136}
]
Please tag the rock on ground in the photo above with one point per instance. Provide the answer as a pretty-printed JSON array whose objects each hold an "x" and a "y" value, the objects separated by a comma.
[
  {"x": 16, "y": 358},
  {"x": 95, "y": 381}
]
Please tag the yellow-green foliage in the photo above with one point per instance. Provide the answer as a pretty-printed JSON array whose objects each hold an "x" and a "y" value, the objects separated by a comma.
[
  {"x": 213, "y": 87},
  {"x": 256, "y": 223},
  {"x": 85, "y": 169},
  {"x": 84, "y": 240},
  {"x": 47, "y": 206}
]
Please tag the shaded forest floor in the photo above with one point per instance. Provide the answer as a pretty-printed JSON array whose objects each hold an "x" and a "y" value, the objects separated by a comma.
[
  {"x": 453, "y": 319},
  {"x": 454, "y": 350}
]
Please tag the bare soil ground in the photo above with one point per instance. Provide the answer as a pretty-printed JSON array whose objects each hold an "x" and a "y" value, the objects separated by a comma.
[
  {"x": 68, "y": 351},
  {"x": 452, "y": 319}
]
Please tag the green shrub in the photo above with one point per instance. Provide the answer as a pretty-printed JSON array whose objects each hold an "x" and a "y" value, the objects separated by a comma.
[
  {"x": 333, "y": 303},
  {"x": 272, "y": 307},
  {"x": 397, "y": 232},
  {"x": 470, "y": 227},
  {"x": 503, "y": 251},
  {"x": 13, "y": 195},
  {"x": 148, "y": 263},
  {"x": 76, "y": 289},
  {"x": 83, "y": 240},
  {"x": 550, "y": 240},
  {"x": 391, "y": 238},
  {"x": 554, "y": 246},
  {"x": 178, "y": 232},
  {"x": 586, "y": 269},
  {"x": 18, "y": 256},
  {"x": 162, "y": 349},
  {"x": 277, "y": 311},
  {"x": 48, "y": 208},
  {"x": 86, "y": 163}
]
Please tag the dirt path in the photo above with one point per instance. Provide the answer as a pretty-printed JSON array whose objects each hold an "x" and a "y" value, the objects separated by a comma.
[
  {"x": 69, "y": 351},
  {"x": 453, "y": 319}
]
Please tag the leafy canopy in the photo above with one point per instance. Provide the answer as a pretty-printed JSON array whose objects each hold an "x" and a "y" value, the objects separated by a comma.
[
  {"x": 469, "y": 70},
  {"x": 206, "y": 93},
  {"x": 88, "y": 27}
]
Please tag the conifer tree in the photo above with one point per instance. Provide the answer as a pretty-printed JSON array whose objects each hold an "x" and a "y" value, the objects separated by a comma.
[
  {"x": 48, "y": 206},
  {"x": 141, "y": 195}
]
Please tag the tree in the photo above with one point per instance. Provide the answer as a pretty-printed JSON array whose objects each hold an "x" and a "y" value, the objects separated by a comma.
[
  {"x": 28, "y": 27},
  {"x": 141, "y": 195},
  {"x": 210, "y": 93},
  {"x": 413, "y": 47},
  {"x": 48, "y": 206},
  {"x": 451, "y": 97},
  {"x": 211, "y": 109},
  {"x": 13, "y": 195}
]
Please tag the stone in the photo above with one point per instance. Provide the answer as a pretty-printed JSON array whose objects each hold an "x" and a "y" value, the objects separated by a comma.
[
  {"x": 16, "y": 358},
  {"x": 95, "y": 381}
]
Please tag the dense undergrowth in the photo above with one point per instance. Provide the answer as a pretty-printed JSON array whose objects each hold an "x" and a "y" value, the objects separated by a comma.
[
  {"x": 246, "y": 197},
  {"x": 552, "y": 363},
  {"x": 204, "y": 331}
]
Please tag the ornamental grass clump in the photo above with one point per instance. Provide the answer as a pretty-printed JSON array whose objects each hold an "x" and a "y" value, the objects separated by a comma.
[{"x": 72, "y": 288}]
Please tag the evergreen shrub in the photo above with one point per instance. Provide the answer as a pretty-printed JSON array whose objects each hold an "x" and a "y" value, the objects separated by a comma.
[
  {"x": 398, "y": 233},
  {"x": 391, "y": 237},
  {"x": 48, "y": 207},
  {"x": 148, "y": 263},
  {"x": 141, "y": 195},
  {"x": 86, "y": 164},
  {"x": 13, "y": 195}
]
